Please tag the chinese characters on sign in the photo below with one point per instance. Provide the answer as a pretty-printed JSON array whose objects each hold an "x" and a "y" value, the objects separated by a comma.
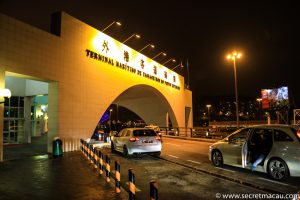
[{"x": 143, "y": 70}]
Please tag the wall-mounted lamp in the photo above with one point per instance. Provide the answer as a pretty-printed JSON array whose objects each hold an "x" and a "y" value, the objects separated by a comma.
[
  {"x": 133, "y": 35},
  {"x": 5, "y": 93},
  {"x": 114, "y": 22}
]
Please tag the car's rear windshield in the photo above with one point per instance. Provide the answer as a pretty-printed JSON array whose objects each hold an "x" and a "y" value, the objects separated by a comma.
[
  {"x": 144, "y": 132},
  {"x": 295, "y": 132}
]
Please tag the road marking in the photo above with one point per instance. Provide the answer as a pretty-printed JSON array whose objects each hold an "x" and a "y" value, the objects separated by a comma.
[
  {"x": 171, "y": 144},
  {"x": 136, "y": 188},
  {"x": 173, "y": 156},
  {"x": 265, "y": 179},
  {"x": 225, "y": 169},
  {"x": 194, "y": 161}
]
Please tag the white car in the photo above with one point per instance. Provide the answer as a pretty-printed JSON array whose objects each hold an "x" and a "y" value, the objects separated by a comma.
[
  {"x": 282, "y": 158},
  {"x": 136, "y": 140}
]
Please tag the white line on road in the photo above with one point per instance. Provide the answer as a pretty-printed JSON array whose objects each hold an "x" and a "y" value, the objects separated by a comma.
[
  {"x": 171, "y": 144},
  {"x": 173, "y": 156},
  {"x": 194, "y": 161},
  {"x": 273, "y": 181},
  {"x": 225, "y": 169}
]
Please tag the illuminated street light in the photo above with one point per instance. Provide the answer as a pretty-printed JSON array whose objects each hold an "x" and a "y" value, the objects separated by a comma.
[
  {"x": 136, "y": 35},
  {"x": 259, "y": 106},
  {"x": 171, "y": 59},
  {"x": 110, "y": 111},
  {"x": 148, "y": 45},
  {"x": 178, "y": 66},
  {"x": 160, "y": 53},
  {"x": 233, "y": 56},
  {"x": 114, "y": 22},
  {"x": 208, "y": 112}
]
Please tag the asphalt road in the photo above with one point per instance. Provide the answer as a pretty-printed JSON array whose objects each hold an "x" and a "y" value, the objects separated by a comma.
[{"x": 183, "y": 171}]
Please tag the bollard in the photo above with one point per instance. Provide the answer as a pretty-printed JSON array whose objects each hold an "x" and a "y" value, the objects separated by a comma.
[
  {"x": 100, "y": 162},
  {"x": 85, "y": 150},
  {"x": 95, "y": 158},
  {"x": 88, "y": 152},
  {"x": 118, "y": 176},
  {"x": 107, "y": 168},
  {"x": 153, "y": 190},
  {"x": 131, "y": 184},
  {"x": 92, "y": 153}
]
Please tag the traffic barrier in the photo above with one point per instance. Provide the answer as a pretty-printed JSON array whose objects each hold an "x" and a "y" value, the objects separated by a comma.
[
  {"x": 88, "y": 152},
  {"x": 153, "y": 190},
  {"x": 95, "y": 158},
  {"x": 92, "y": 153},
  {"x": 118, "y": 176},
  {"x": 131, "y": 177},
  {"x": 100, "y": 162},
  {"x": 107, "y": 168}
]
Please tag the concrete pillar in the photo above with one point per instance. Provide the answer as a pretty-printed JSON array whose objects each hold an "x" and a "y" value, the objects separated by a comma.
[
  {"x": 167, "y": 119},
  {"x": 27, "y": 116},
  {"x": 2, "y": 86},
  {"x": 52, "y": 113}
]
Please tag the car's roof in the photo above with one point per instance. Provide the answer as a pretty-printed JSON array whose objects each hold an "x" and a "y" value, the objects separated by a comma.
[
  {"x": 137, "y": 129},
  {"x": 274, "y": 126}
]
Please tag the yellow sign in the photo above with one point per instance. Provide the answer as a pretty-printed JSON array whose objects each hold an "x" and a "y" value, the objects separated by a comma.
[{"x": 113, "y": 52}]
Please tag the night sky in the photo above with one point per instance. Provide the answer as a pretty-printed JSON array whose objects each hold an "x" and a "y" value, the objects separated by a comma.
[{"x": 202, "y": 32}]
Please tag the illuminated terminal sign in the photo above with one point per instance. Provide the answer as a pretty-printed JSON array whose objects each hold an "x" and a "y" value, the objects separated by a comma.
[{"x": 112, "y": 52}]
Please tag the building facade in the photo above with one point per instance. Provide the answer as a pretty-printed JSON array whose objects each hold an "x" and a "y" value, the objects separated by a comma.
[{"x": 85, "y": 71}]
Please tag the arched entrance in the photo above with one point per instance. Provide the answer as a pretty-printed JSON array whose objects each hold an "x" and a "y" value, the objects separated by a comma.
[{"x": 148, "y": 103}]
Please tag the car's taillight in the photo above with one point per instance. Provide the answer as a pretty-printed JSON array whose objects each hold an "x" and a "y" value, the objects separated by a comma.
[
  {"x": 157, "y": 138},
  {"x": 133, "y": 139},
  {"x": 298, "y": 134}
]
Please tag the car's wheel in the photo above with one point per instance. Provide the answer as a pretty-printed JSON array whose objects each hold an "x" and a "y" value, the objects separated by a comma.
[
  {"x": 125, "y": 151},
  {"x": 217, "y": 158},
  {"x": 112, "y": 146},
  {"x": 277, "y": 169}
]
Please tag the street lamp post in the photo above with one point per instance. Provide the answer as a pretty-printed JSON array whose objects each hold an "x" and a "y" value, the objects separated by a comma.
[
  {"x": 160, "y": 53},
  {"x": 110, "y": 111},
  {"x": 114, "y": 22},
  {"x": 171, "y": 59},
  {"x": 259, "y": 107},
  {"x": 148, "y": 45},
  {"x": 136, "y": 35},
  {"x": 208, "y": 112},
  {"x": 233, "y": 56}
]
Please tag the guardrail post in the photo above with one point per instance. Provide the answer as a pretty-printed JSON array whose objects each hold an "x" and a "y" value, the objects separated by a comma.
[
  {"x": 100, "y": 162},
  {"x": 107, "y": 168},
  {"x": 92, "y": 153},
  {"x": 89, "y": 151},
  {"x": 131, "y": 184},
  {"x": 118, "y": 176},
  {"x": 153, "y": 190},
  {"x": 95, "y": 158}
]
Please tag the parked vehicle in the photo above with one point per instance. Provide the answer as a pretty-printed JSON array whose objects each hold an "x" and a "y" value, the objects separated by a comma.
[
  {"x": 136, "y": 140},
  {"x": 281, "y": 159}
]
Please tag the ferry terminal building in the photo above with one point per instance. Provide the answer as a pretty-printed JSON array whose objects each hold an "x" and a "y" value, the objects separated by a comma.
[{"x": 62, "y": 82}]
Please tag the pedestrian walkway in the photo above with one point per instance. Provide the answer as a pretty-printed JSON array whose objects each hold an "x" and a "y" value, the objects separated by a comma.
[{"x": 29, "y": 173}]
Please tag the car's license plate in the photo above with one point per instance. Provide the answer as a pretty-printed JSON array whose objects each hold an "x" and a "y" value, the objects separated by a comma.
[{"x": 147, "y": 141}]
